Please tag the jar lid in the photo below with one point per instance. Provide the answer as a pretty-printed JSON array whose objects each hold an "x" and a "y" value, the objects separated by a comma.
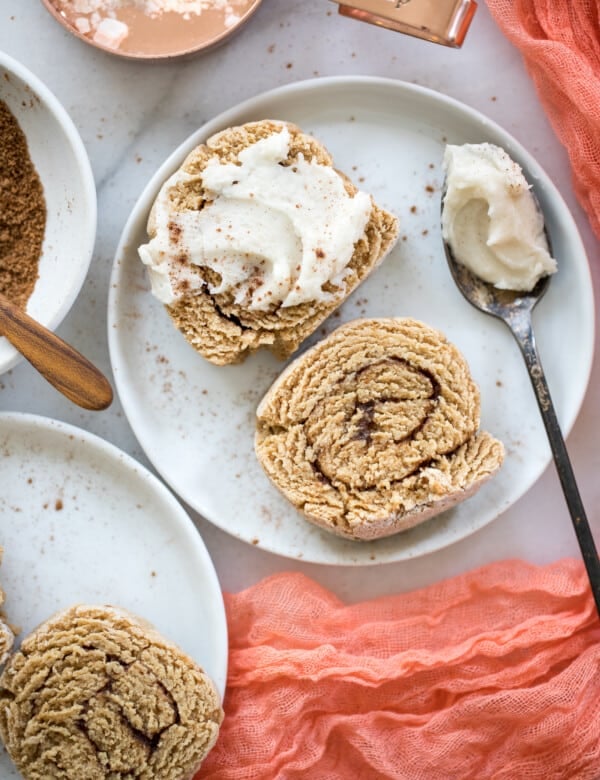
[{"x": 439, "y": 21}]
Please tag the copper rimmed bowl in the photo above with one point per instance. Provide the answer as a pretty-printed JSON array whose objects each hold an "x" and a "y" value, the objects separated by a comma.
[{"x": 129, "y": 30}]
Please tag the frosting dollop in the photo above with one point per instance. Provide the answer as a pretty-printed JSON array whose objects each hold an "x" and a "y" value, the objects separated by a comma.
[
  {"x": 491, "y": 220},
  {"x": 275, "y": 231}
]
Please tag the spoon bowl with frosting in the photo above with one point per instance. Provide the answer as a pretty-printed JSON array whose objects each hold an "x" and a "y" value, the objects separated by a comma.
[{"x": 492, "y": 220}]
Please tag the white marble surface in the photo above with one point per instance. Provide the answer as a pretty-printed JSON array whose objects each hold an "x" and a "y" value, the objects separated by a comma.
[{"x": 132, "y": 115}]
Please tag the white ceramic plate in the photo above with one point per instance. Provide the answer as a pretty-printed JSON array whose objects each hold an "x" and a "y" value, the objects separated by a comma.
[
  {"x": 196, "y": 421},
  {"x": 61, "y": 161},
  {"x": 81, "y": 522}
]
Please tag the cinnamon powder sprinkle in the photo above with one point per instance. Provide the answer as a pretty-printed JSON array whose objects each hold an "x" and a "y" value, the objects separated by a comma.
[{"x": 22, "y": 212}]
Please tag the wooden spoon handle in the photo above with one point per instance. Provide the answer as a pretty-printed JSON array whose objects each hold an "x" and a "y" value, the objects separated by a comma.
[{"x": 65, "y": 368}]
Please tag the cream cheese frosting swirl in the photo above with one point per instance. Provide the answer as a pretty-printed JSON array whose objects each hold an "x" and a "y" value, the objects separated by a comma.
[{"x": 274, "y": 232}]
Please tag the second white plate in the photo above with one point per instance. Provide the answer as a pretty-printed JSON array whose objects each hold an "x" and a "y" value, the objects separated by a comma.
[
  {"x": 82, "y": 522},
  {"x": 196, "y": 421}
]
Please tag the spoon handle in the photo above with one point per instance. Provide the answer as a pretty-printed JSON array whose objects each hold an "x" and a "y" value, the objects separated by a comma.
[
  {"x": 523, "y": 332},
  {"x": 65, "y": 368}
]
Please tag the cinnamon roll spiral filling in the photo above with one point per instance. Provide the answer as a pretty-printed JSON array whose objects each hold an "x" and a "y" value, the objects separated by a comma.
[{"x": 375, "y": 429}]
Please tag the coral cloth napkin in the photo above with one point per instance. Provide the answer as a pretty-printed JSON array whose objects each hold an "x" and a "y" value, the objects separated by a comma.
[
  {"x": 560, "y": 43},
  {"x": 492, "y": 674}
]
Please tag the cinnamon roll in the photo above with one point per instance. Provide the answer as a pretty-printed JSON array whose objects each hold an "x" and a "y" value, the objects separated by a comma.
[
  {"x": 375, "y": 429},
  {"x": 96, "y": 693},
  {"x": 257, "y": 238}
]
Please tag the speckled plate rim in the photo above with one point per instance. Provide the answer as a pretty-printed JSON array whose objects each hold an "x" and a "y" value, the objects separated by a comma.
[
  {"x": 382, "y": 551},
  {"x": 184, "y": 534},
  {"x": 88, "y": 184},
  {"x": 150, "y": 58}
]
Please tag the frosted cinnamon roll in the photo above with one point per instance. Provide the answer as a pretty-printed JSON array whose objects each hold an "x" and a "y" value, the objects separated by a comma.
[
  {"x": 96, "y": 693},
  {"x": 257, "y": 238},
  {"x": 375, "y": 429}
]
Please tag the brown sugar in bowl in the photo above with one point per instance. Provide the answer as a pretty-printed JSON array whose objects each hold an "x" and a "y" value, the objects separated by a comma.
[
  {"x": 60, "y": 161},
  {"x": 154, "y": 38}
]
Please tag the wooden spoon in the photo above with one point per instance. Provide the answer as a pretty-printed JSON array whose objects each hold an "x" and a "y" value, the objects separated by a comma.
[{"x": 65, "y": 368}]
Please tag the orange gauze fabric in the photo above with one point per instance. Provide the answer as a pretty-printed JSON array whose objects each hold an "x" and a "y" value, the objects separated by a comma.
[
  {"x": 560, "y": 43},
  {"x": 492, "y": 674}
]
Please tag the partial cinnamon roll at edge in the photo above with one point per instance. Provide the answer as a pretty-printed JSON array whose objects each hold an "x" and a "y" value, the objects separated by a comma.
[{"x": 96, "y": 692}]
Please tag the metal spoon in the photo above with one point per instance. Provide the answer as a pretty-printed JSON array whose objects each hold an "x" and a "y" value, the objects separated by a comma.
[
  {"x": 65, "y": 368},
  {"x": 515, "y": 309}
]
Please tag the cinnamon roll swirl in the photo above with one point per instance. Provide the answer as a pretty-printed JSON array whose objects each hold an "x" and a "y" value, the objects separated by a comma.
[
  {"x": 96, "y": 693},
  {"x": 375, "y": 429}
]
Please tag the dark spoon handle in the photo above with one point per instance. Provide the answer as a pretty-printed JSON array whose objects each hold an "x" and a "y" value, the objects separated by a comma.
[
  {"x": 523, "y": 332},
  {"x": 65, "y": 368}
]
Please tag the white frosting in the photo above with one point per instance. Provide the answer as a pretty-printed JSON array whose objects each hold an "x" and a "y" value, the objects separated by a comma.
[
  {"x": 490, "y": 218},
  {"x": 274, "y": 233}
]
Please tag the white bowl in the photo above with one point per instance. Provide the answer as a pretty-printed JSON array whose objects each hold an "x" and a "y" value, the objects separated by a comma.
[{"x": 61, "y": 161}]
